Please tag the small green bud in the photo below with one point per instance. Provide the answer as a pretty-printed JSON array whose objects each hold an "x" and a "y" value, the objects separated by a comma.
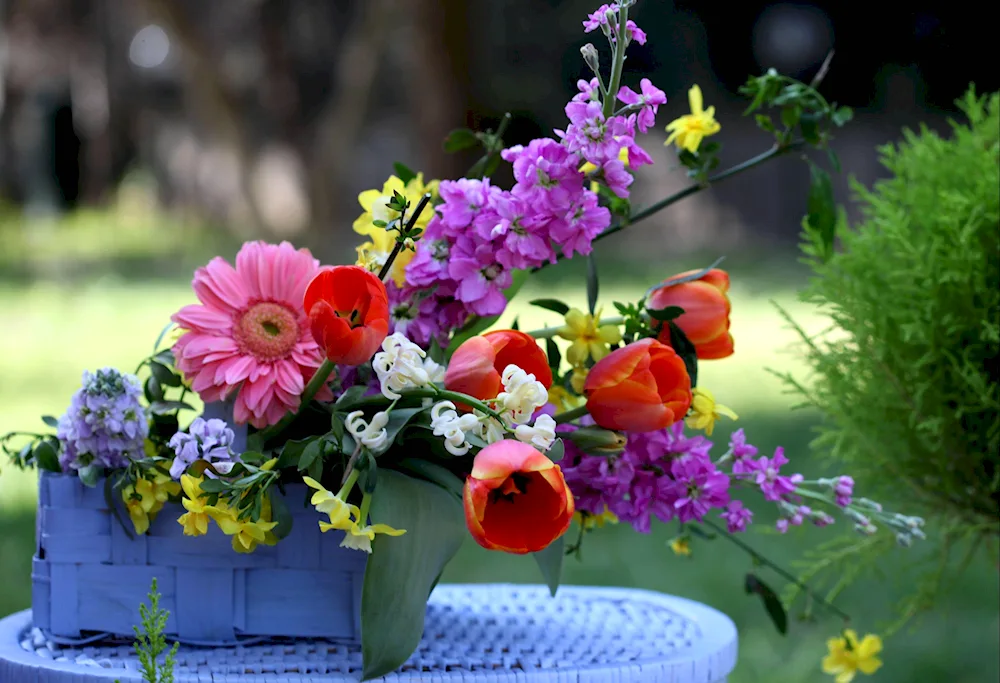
[
  {"x": 597, "y": 441},
  {"x": 591, "y": 57}
]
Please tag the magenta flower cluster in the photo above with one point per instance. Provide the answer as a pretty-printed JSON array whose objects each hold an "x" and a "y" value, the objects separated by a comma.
[
  {"x": 481, "y": 234},
  {"x": 667, "y": 475}
]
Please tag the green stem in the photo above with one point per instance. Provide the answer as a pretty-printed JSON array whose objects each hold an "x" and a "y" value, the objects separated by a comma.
[
  {"x": 345, "y": 490},
  {"x": 776, "y": 568},
  {"x": 571, "y": 415},
  {"x": 617, "y": 64},
  {"x": 384, "y": 272},
  {"x": 315, "y": 384},
  {"x": 455, "y": 397},
  {"x": 549, "y": 332},
  {"x": 366, "y": 504},
  {"x": 775, "y": 151}
]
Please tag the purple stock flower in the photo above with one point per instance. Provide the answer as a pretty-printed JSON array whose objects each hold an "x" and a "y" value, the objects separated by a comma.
[
  {"x": 547, "y": 175},
  {"x": 208, "y": 440},
  {"x": 586, "y": 220},
  {"x": 698, "y": 487},
  {"x": 843, "y": 489},
  {"x": 781, "y": 525},
  {"x": 737, "y": 516},
  {"x": 649, "y": 101},
  {"x": 597, "y": 19},
  {"x": 772, "y": 484},
  {"x": 589, "y": 133},
  {"x": 463, "y": 200},
  {"x": 104, "y": 425},
  {"x": 635, "y": 33},
  {"x": 589, "y": 90},
  {"x": 481, "y": 280},
  {"x": 616, "y": 177},
  {"x": 519, "y": 233},
  {"x": 742, "y": 453}
]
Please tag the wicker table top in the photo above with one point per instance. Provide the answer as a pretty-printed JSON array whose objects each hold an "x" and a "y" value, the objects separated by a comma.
[{"x": 490, "y": 633}]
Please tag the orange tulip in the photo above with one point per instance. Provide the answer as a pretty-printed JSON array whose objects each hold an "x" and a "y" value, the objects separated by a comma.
[
  {"x": 349, "y": 311},
  {"x": 706, "y": 306},
  {"x": 641, "y": 387},
  {"x": 477, "y": 365},
  {"x": 516, "y": 499}
]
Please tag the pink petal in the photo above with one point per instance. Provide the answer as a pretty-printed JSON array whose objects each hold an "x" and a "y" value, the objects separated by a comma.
[
  {"x": 203, "y": 319},
  {"x": 262, "y": 370},
  {"x": 289, "y": 377},
  {"x": 204, "y": 379},
  {"x": 249, "y": 262},
  {"x": 218, "y": 286},
  {"x": 259, "y": 393},
  {"x": 240, "y": 412},
  {"x": 205, "y": 344},
  {"x": 238, "y": 369}
]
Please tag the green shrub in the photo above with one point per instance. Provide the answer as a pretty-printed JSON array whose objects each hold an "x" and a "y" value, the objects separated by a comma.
[{"x": 907, "y": 375}]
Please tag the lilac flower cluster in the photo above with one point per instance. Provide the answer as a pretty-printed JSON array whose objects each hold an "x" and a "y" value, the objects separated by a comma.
[
  {"x": 104, "y": 425},
  {"x": 208, "y": 440},
  {"x": 481, "y": 233}
]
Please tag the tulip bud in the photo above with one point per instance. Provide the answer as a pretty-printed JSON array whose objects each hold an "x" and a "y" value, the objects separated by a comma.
[
  {"x": 597, "y": 441},
  {"x": 591, "y": 57}
]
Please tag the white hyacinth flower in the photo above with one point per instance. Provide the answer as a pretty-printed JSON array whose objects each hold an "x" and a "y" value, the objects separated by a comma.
[
  {"x": 447, "y": 423},
  {"x": 522, "y": 395},
  {"x": 541, "y": 435},
  {"x": 435, "y": 371},
  {"x": 399, "y": 366},
  {"x": 372, "y": 434}
]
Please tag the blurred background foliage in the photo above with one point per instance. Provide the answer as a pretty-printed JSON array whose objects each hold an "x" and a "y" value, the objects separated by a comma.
[{"x": 140, "y": 137}]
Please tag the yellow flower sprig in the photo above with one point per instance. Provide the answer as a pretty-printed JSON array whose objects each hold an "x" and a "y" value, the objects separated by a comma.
[
  {"x": 689, "y": 130},
  {"x": 847, "y": 656}
]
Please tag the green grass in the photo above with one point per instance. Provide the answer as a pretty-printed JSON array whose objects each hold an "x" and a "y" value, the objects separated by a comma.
[{"x": 53, "y": 333}]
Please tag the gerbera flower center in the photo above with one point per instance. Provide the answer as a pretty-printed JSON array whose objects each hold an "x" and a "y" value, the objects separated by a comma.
[{"x": 268, "y": 331}]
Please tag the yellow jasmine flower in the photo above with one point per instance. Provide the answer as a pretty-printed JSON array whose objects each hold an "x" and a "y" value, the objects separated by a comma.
[
  {"x": 847, "y": 656},
  {"x": 563, "y": 400},
  {"x": 246, "y": 533},
  {"x": 589, "y": 521},
  {"x": 373, "y": 254},
  {"x": 589, "y": 339},
  {"x": 195, "y": 520},
  {"x": 578, "y": 378},
  {"x": 151, "y": 495},
  {"x": 361, "y": 537},
  {"x": 689, "y": 130},
  {"x": 681, "y": 546},
  {"x": 339, "y": 511},
  {"x": 705, "y": 411}
]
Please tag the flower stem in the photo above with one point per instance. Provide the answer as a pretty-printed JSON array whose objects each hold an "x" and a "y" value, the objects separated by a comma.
[
  {"x": 776, "y": 568},
  {"x": 617, "y": 64},
  {"x": 315, "y": 384},
  {"x": 549, "y": 332},
  {"x": 398, "y": 247},
  {"x": 453, "y": 396},
  {"x": 349, "y": 481},
  {"x": 571, "y": 415},
  {"x": 775, "y": 151}
]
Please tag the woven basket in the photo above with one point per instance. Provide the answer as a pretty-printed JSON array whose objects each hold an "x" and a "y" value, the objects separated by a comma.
[{"x": 89, "y": 576}]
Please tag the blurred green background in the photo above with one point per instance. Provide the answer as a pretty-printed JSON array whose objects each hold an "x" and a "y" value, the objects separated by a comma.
[
  {"x": 174, "y": 129},
  {"x": 55, "y": 330}
]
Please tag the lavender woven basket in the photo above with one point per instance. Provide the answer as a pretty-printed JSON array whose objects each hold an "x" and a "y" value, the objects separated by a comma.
[{"x": 89, "y": 577}]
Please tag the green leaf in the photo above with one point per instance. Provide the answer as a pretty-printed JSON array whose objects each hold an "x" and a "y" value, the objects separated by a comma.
[
  {"x": 50, "y": 421},
  {"x": 164, "y": 407},
  {"x": 280, "y": 514},
  {"x": 459, "y": 139},
  {"x": 316, "y": 469},
  {"x": 841, "y": 116},
  {"x": 398, "y": 419},
  {"x": 310, "y": 454},
  {"x": 89, "y": 475},
  {"x": 686, "y": 350},
  {"x": 556, "y": 451},
  {"x": 764, "y": 122},
  {"x": 592, "y": 284},
  {"x": 164, "y": 375},
  {"x": 477, "y": 169},
  {"x": 665, "y": 314},
  {"x": 291, "y": 452},
  {"x": 153, "y": 390},
  {"x": 404, "y": 172},
  {"x": 555, "y": 357},
  {"x": 213, "y": 485},
  {"x": 822, "y": 214},
  {"x": 697, "y": 275},
  {"x": 553, "y": 305},
  {"x": 369, "y": 476},
  {"x": 477, "y": 325},
  {"x": 772, "y": 603},
  {"x": 550, "y": 561},
  {"x": 435, "y": 473},
  {"x": 834, "y": 159},
  {"x": 163, "y": 333},
  {"x": 401, "y": 570},
  {"x": 46, "y": 456},
  {"x": 790, "y": 116},
  {"x": 351, "y": 396},
  {"x": 165, "y": 357}
]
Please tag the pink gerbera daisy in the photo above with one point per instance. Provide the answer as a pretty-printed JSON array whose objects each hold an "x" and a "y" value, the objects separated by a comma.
[{"x": 250, "y": 334}]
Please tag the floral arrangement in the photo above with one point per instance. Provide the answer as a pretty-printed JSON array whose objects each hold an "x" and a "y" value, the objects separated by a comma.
[{"x": 381, "y": 387}]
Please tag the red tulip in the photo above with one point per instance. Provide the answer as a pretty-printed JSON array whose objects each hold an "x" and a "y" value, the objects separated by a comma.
[
  {"x": 349, "y": 311},
  {"x": 477, "y": 365},
  {"x": 641, "y": 387},
  {"x": 705, "y": 320},
  {"x": 516, "y": 499}
]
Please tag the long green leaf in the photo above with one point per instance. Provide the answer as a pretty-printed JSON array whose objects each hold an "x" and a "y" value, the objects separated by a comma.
[
  {"x": 550, "y": 561},
  {"x": 822, "y": 215},
  {"x": 402, "y": 570}
]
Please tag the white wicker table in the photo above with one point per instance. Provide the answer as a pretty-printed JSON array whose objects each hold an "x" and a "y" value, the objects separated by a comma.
[{"x": 488, "y": 632}]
